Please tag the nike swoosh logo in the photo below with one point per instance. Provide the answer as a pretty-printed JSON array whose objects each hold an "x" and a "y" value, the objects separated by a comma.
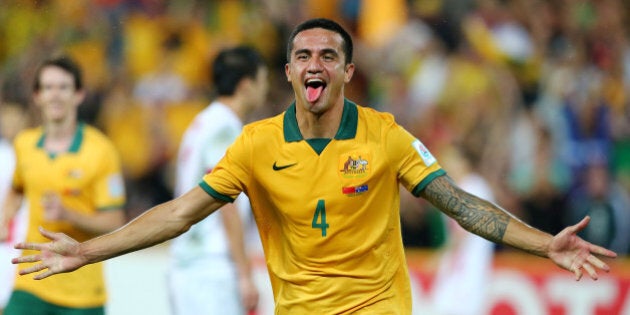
[{"x": 281, "y": 167}]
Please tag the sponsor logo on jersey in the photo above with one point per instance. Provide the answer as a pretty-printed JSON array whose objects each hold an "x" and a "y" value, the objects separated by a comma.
[
  {"x": 424, "y": 153},
  {"x": 278, "y": 167},
  {"x": 354, "y": 165},
  {"x": 116, "y": 185}
]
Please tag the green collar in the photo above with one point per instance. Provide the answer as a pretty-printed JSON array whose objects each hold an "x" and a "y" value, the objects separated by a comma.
[
  {"x": 76, "y": 141},
  {"x": 347, "y": 128}
]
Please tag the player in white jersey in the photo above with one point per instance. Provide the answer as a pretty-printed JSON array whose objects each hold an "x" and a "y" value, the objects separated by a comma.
[
  {"x": 466, "y": 263},
  {"x": 17, "y": 229},
  {"x": 211, "y": 272},
  {"x": 12, "y": 119}
]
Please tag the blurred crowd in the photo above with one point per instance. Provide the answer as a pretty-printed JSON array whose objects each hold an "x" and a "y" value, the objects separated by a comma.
[{"x": 532, "y": 96}]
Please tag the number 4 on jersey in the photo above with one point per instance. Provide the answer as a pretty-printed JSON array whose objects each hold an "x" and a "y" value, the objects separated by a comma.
[{"x": 319, "y": 218}]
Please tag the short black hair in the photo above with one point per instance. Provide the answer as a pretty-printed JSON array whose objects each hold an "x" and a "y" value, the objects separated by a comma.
[
  {"x": 327, "y": 25},
  {"x": 64, "y": 62},
  {"x": 232, "y": 65}
]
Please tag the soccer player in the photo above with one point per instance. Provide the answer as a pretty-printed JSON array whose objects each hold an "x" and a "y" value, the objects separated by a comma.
[
  {"x": 13, "y": 118},
  {"x": 323, "y": 180},
  {"x": 70, "y": 174},
  {"x": 211, "y": 270}
]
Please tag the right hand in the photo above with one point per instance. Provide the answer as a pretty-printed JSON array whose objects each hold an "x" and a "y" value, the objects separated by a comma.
[
  {"x": 53, "y": 208},
  {"x": 59, "y": 256},
  {"x": 249, "y": 293}
]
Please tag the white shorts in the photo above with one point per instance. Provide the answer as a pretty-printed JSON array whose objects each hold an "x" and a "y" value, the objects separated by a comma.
[{"x": 206, "y": 290}]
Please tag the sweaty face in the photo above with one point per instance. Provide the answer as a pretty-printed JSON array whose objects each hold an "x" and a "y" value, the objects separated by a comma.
[
  {"x": 317, "y": 69},
  {"x": 57, "y": 96}
]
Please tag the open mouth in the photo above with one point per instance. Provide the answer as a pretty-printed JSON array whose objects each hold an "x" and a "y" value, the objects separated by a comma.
[{"x": 314, "y": 88}]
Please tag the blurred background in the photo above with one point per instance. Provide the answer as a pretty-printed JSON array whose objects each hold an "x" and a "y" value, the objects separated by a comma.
[{"x": 528, "y": 99}]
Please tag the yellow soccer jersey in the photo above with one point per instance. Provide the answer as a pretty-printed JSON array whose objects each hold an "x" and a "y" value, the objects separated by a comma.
[
  {"x": 88, "y": 178},
  {"x": 328, "y": 211}
]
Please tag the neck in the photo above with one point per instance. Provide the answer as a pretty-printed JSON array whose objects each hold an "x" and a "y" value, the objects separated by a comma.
[
  {"x": 319, "y": 125},
  {"x": 235, "y": 104},
  {"x": 59, "y": 134}
]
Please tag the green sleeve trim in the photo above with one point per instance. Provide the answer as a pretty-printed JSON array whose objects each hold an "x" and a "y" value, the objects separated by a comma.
[
  {"x": 214, "y": 193},
  {"x": 423, "y": 184},
  {"x": 111, "y": 208}
]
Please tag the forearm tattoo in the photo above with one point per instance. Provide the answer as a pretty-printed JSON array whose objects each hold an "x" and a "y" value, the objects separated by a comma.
[{"x": 472, "y": 213}]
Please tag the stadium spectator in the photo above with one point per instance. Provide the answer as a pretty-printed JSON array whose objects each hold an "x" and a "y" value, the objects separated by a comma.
[{"x": 603, "y": 199}]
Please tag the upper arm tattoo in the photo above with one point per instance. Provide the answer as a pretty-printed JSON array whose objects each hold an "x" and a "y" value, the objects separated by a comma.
[{"x": 472, "y": 213}]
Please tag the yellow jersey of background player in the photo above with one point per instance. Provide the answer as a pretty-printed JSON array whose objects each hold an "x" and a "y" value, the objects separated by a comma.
[
  {"x": 88, "y": 178},
  {"x": 313, "y": 232}
]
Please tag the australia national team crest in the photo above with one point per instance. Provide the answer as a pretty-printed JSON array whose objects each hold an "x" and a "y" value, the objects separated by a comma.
[{"x": 355, "y": 165}]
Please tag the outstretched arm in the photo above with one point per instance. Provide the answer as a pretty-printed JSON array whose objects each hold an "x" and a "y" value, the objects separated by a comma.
[
  {"x": 487, "y": 220},
  {"x": 162, "y": 222}
]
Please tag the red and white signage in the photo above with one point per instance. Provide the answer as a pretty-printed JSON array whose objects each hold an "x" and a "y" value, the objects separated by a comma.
[{"x": 522, "y": 284}]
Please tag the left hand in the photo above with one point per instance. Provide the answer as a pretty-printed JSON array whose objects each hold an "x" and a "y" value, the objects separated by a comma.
[{"x": 572, "y": 253}]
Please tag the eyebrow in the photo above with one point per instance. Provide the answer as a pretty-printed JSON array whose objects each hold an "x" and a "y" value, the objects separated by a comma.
[{"x": 308, "y": 51}]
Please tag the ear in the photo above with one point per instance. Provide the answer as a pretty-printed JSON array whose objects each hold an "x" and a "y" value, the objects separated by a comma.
[
  {"x": 35, "y": 97},
  {"x": 287, "y": 72},
  {"x": 79, "y": 97},
  {"x": 348, "y": 72}
]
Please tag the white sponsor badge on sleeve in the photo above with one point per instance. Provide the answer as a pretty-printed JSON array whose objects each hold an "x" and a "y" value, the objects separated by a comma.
[
  {"x": 424, "y": 153},
  {"x": 116, "y": 185}
]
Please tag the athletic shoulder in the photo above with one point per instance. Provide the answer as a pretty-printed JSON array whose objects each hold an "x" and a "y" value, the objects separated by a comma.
[
  {"x": 95, "y": 133},
  {"x": 28, "y": 136},
  {"x": 373, "y": 116},
  {"x": 95, "y": 138},
  {"x": 266, "y": 125}
]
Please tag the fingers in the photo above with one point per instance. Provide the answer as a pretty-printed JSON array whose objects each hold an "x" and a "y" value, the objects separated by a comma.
[
  {"x": 578, "y": 273},
  {"x": 38, "y": 246},
  {"x": 590, "y": 265},
  {"x": 26, "y": 259},
  {"x": 31, "y": 246},
  {"x": 574, "y": 229},
  {"x": 43, "y": 275},
  {"x": 48, "y": 234},
  {"x": 602, "y": 251},
  {"x": 590, "y": 270},
  {"x": 598, "y": 263},
  {"x": 34, "y": 268}
]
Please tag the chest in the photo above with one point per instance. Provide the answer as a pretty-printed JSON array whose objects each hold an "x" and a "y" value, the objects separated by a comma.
[
  {"x": 68, "y": 173},
  {"x": 344, "y": 177}
]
